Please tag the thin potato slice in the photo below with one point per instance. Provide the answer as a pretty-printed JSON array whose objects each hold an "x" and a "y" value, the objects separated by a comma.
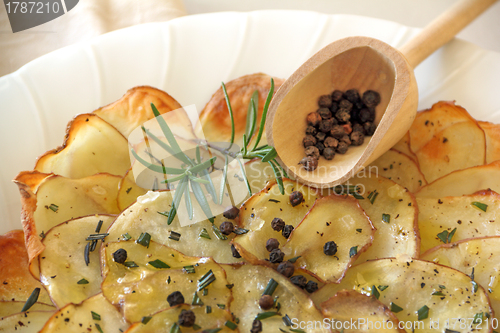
[
  {"x": 461, "y": 182},
  {"x": 473, "y": 254},
  {"x": 403, "y": 146},
  {"x": 134, "y": 109},
  {"x": 63, "y": 271},
  {"x": 334, "y": 218},
  {"x": 359, "y": 313},
  {"x": 257, "y": 213},
  {"x": 90, "y": 146},
  {"x": 25, "y": 322},
  {"x": 492, "y": 132},
  {"x": 143, "y": 290},
  {"x": 459, "y": 146},
  {"x": 8, "y": 308},
  {"x": 128, "y": 191},
  {"x": 163, "y": 321},
  {"x": 399, "y": 168},
  {"x": 250, "y": 282},
  {"x": 16, "y": 281},
  {"x": 413, "y": 285},
  {"x": 384, "y": 199},
  {"x": 438, "y": 218},
  {"x": 95, "y": 314}
]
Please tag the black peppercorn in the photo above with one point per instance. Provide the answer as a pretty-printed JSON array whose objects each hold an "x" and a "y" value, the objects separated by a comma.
[
  {"x": 325, "y": 113},
  {"x": 347, "y": 128},
  {"x": 342, "y": 147},
  {"x": 120, "y": 256},
  {"x": 310, "y": 130},
  {"x": 256, "y": 326},
  {"x": 352, "y": 96},
  {"x": 309, "y": 140},
  {"x": 310, "y": 163},
  {"x": 231, "y": 212},
  {"x": 320, "y": 136},
  {"x": 312, "y": 151},
  {"x": 277, "y": 224},
  {"x": 311, "y": 286},
  {"x": 366, "y": 114},
  {"x": 235, "y": 252},
  {"x": 346, "y": 139},
  {"x": 296, "y": 198},
  {"x": 345, "y": 104},
  {"x": 371, "y": 98},
  {"x": 286, "y": 268},
  {"x": 357, "y": 128},
  {"x": 331, "y": 142},
  {"x": 337, "y": 95},
  {"x": 272, "y": 244},
  {"x": 266, "y": 302},
  {"x": 337, "y": 132},
  {"x": 186, "y": 318},
  {"x": 329, "y": 153},
  {"x": 325, "y": 101},
  {"x": 299, "y": 280},
  {"x": 330, "y": 248},
  {"x": 226, "y": 228},
  {"x": 175, "y": 298},
  {"x": 369, "y": 128},
  {"x": 357, "y": 138},
  {"x": 287, "y": 230},
  {"x": 334, "y": 108},
  {"x": 276, "y": 256},
  {"x": 313, "y": 119},
  {"x": 325, "y": 126},
  {"x": 320, "y": 147},
  {"x": 343, "y": 115}
]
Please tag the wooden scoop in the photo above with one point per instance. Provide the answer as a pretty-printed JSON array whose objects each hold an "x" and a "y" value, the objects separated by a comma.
[{"x": 363, "y": 63}]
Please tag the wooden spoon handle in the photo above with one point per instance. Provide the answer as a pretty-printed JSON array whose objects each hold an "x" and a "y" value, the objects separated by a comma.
[{"x": 442, "y": 29}]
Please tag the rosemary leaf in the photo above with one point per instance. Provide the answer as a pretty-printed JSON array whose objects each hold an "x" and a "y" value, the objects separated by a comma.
[
  {"x": 82, "y": 281},
  {"x": 264, "y": 114},
  {"x": 86, "y": 253},
  {"x": 95, "y": 315},
  {"x": 206, "y": 280},
  {"x": 158, "y": 264},
  {"x": 205, "y": 165},
  {"x": 242, "y": 168},
  {"x": 157, "y": 168},
  {"x": 252, "y": 115},
  {"x": 177, "y": 198},
  {"x": 271, "y": 155},
  {"x": 217, "y": 233},
  {"x": 175, "y": 328},
  {"x": 99, "y": 226},
  {"x": 230, "y": 109},
  {"x": 189, "y": 203},
  {"x": 198, "y": 180},
  {"x": 240, "y": 231},
  {"x": 270, "y": 288},
  {"x": 196, "y": 300},
  {"x": 173, "y": 179},
  {"x": 223, "y": 181},
  {"x": 31, "y": 300},
  {"x": 265, "y": 315},
  {"x": 198, "y": 154},
  {"x": 202, "y": 200},
  {"x": 277, "y": 174},
  {"x": 174, "y": 236},
  {"x": 204, "y": 234},
  {"x": 144, "y": 239}
]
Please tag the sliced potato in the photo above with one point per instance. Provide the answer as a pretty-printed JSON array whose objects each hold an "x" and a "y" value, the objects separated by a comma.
[
  {"x": 16, "y": 281},
  {"x": 412, "y": 285},
  {"x": 257, "y": 213},
  {"x": 250, "y": 282},
  {"x": 492, "y": 132},
  {"x": 128, "y": 191},
  {"x": 143, "y": 290},
  {"x": 63, "y": 270},
  {"x": 356, "y": 312},
  {"x": 8, "y": 308},
  {"x": 95, "y": 314},
  {"x": 403, "y": 146},
  {"x": 258, "y": 174},
  {"x": 479, "y": 254},
  {"x": 134, "y": 109},
  {"x": 467, "y": 181},
  {"x": 163, "y": 321},
  {"x": 334, "y": 218},
  {"x": 25, "y": 322},
  {"x": 400, "y": 168},
  {"x": 441, "y": 216},
  {"x": 400, "y": 234},
  {"x": 91, "y": 146},
  {"x": 456, "y": 147}
]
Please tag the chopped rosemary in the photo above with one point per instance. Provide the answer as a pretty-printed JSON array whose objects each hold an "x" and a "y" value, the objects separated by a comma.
[
  {"x": 205, "y": 292},
  {"x": 158, "y": 264},
  {"x": 382, "y": 288},
  {"x": 480, "y": 205},
  {"x": 221, "y": 306},
  {"x": 395, "y": 308},
  {"x": 31, "y": 300},
  {"x": 478, "y": 318},
  {"x": 386, "y": 218},
  {"x": 287, "y": 321},
  {"x": 294, "y": 259},
  {"x": 218, "y": 233},
  {"x": 144, "y": 239},
  {"x": 230, "y": 286},
  {"x": 99, "y": 328},
  {"x": 196, "y": 327},
  {"x": 475, "y": 286},
  {"x": 53, "y": 207},
  {"x": 196, "y": 299},
  {"x": 208, "y": 309},
  {"x": 174, "y": 236},
  {"x": 423, "y": 312},
  {"x": 274, "y": 200},
  {"x": 437, "y": 293},
  {"x": 169, "y": 280},
  {"x": 99, "y": 226},
  {"x": 175, "y": 328},
  {"x": 372, "y": 196},
  {"x": 375, "y": 292},
  {"x": 93, "y": 245},
  {"x": 240, "y": 231},
  {"x": 452, "y": 233},
  {"x": 86, "y": 253},
  {"x": 446, "y": 237},
  {"x": 265, "y": 315},
  {"x": 95, "y": 315},
  {"x": 204, "y": 234},
  {"x": 189, "y": 269},
  {"x": 130, "y": 264},
  {"x": 442, "y": 287},
  {"x": 83, "y": 281},
  {"x": 206, "y": 280},
  {"x": 92, "y": 237},
  {"x": 231, "y": 325},
  {"x": 359, "y": 230},
  {"x": 127, "y": 236},
  {"x": 271, "y": 287},
  {"x": 353, "y": 251},
  {"x": 145, "y": 320}
]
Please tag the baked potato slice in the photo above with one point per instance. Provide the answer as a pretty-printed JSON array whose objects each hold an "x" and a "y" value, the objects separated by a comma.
[
  {"x": 492, "y": 132},
  {"x": 8, "y": 308},
  {"x": 476, "y": 254},
  {"x": 63, "y": 269},
  {"x": 420, "y": 293},
  {"x": 25, "y": 322},
  {"x": 403, "y": 146},
  {"x": 128, "y": 191},
  {"x": 337, "y": 219},
  {"x": 450, "y": 219}
]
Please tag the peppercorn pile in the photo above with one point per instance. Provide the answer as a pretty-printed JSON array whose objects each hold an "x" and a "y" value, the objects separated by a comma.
[{"x": 342, "y": 120}]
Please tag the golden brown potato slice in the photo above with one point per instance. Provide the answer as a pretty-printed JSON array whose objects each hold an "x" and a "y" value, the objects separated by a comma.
[
  {"x": 257, "y": 213},
  {"x": 337, "y": 219},
  {"x": 250, "y": 281},
  {"x": 16, "y": 281},
  {"x": 128, "y": 191},
  {"x": 403, "y": 146},
  {"x": 454, "y": 218},
  {"x": 90, "y": 146},
  {"x": 142, "y": 291},
  {"x": 420, "y": 293},
  {"x": 25, "y": 322},
  {"x": 63, "y": 270},
  {"x": 467, "y": 181},
  {"x": 480, "y": 254},
  {"x": 355, "y": 312},
  {"x": 399, "y": 168},
  {"x": 393, "y": 211},
  {"x": 456, "y": 147},
  {"x": 8, "y": 308},
  {"x": 58, "y": 199},
  {"x": 492, "y": 132},
  {"x": 134, "y": 108},
  {"x": 215, "y": 123},
  {"x": 166, "y": 320},
  {"x": 94, "y": 314}
]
